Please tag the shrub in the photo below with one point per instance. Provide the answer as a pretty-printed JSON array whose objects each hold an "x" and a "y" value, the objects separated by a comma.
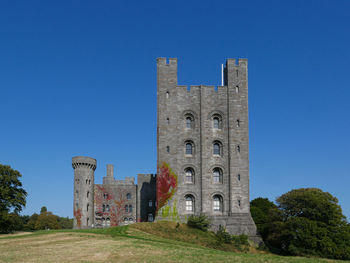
[
  {"x": 201, "y": 222},
  {"x": 222, "y": 236}
]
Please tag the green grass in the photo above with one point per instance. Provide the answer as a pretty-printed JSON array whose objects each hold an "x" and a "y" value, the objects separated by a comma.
[{"x": 142, "y": 242}]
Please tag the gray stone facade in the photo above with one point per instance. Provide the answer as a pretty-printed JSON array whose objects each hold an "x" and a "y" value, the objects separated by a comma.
[
  {"x": 202, "y": 160},
  {"x": 203, "y": 132}
]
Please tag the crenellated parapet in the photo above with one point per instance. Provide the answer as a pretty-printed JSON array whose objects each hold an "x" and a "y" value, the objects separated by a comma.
[{"x": 84, "y": 162}]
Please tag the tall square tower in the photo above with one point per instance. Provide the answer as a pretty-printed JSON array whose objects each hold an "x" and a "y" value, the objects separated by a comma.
[{"x": 203, "y": 148}]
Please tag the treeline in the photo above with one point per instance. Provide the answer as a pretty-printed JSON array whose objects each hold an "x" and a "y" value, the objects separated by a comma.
[
  {"x": 44, "y": 220},
  {"x": 303, "y": 222}
]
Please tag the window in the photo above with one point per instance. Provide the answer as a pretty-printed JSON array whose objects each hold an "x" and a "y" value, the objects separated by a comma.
[
  {"x": 167, "y": 121},
  {"x": 217, "y": 148},
  {"x": 128, "y": 196},
  {"x": 239, "y": 203},
  {"x": 87, "y": 207},
  {"x": 217, "y": 203},
  {"x": 188, "y": 122},
  {"x": 126, "y": 209},
  {"x": 87, "y": 194},
  {"x": 150, "y": 203},
  {"x": 76, "y": 206},
  {"x": 238, "y": 123},
  {"x": 237, "y": 89},
  {"x": 105, "y": 196},
  {"x": 87, "y": 181},
  {"x": 130, "y": 208},
  {"x": 87, "y": 221},
  {"x": 77, "y": 193},
  {"x": 216, "y": 122},
  {"x": 189, "y": 173},
  {"x": 189, "y": 148},
  {"x": 126, "y": 220},
  {"x": 168, "y": 149},
  {"x": 108, "y": 222},
  {"x": 107, "y": 208},
  {"x": 238, "y": 148},
  {"x": 217, "y": 175},
  {"x": 167, "y": 95},
  {"x": 150, "y": 217},
  {"x": 239, "y": 177},
  {"x": 103, "y": 208},
  {"x": 189, "y": 203},
  {"x": 131, "y": 220}
]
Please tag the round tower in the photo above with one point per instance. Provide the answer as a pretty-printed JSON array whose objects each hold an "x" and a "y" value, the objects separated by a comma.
[{"x": 84, "y": 168}]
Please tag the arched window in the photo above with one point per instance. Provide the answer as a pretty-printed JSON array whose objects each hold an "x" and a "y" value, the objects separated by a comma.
[
  {"x": 167, "y": 95},
  {"x": 189, "y": 175},
  {"x": 131, "y": 220},
  {"x": 126, "y": 220},
  {"x": 87, "y": 181},
  {"x": 237, "y": 88},
  {"x": 168, "y": 149},
  {"x": 87, "y": 207},
  {"x": 217, "y": 175},
  {"x": 105, "y": 196},
  {"x": 108, "y": 222},
  {"x": 239, "y": 177},
  {"x": 238, "y": 123},
  {"x": 188, "y": 122},
  {"x": 103, "y": 222},
  {"x": 189, "y": 148},
  {"x": 217, "y": 203},
  {"x": 150, "y": 217},
  {"x": 189, "y": 203},
  {"x": 87, "y": 194},
  {"x": 238, "y": 148},
  {"x": 130, "y": 208},
  {"x": 103, "y": 208},
  {"x": 126, "y": 209},
  {"x": 128, "y": 196},
  {"x": 217, "y": 121},
  {"x": 217, "y": 148},
  {"x": 167, "y": 121},
  {"x": 107, "y": 208}
]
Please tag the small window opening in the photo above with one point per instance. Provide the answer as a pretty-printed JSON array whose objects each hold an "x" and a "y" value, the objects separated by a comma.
[
  {"x": 238, "y": 148},
  {"x": 239, "y": 177},
  {"x": 150, "y": 203},
  {"x": 237, "y": 72},
  {"x": 150, "y": 217},
  {"x": 103, "y": 208},
  {"x": 105, "y": 196},
  {"x": 238, "y": 123},
  {"x": 189, "y": 122},
  {"x": 167, "y": 94},
  {"x": 87, "y": 194},
  {"x": 107, "y": 208},
  {"x": 189, "y": 148},
  {"x": 87, "y": 207},
  {"x": 217, "y": 203},
  {"x": 237, "y": 89},
  {"x": 189, "y": 203},
  {"x": 87, "y": 221},
  {"x": 167, "y": 121},
  {"x": 216, "y": 122},
  {"x": 168, "y": 149},
  {"x": 87, "y": 181},
  {"x": 189, "y": 175},
  {"x": 126, "y": 209},
  {"x": 130, "y": 208},
  {"x": 239, "y": 203},
  {"x": 216, "y": 148},
  {"x": 128, "y": 196}
]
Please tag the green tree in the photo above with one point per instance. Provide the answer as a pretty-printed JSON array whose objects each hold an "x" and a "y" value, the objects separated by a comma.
[
  {"x": 12, "y": 197},
  {"x": 43, "y": 209},
  {"x": 46, "y": 220},
  {"x": 308, "y": 222}
]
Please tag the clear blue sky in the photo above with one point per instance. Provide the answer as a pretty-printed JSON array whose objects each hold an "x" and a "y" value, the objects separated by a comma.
[{"x": 79, "y": 78}]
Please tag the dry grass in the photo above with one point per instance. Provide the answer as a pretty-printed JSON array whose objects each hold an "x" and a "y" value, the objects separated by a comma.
[{"x": 118, "y": 245}]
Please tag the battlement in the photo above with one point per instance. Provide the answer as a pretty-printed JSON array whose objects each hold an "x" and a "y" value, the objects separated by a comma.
[
  {"x": 241, "y": 62},
  {"x": 126, "y": 181},
  {"x": 83, "y": 161},
  {"x": 165, "y": 61}
]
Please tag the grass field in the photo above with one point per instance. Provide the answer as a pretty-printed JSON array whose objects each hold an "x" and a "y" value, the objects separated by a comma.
[{"x": 123, "y": 244}]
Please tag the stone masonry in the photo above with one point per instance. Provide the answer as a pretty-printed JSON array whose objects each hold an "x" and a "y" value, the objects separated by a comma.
[{"x": 202, "y": 160}]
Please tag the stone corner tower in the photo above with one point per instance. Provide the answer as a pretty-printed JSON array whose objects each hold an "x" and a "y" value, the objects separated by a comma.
[
  {"x": 203, "y": 148},
  {"x": 84, "y": 168}
]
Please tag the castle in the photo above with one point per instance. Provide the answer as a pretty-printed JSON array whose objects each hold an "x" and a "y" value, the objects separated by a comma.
[{"x": 202, "y": 160}]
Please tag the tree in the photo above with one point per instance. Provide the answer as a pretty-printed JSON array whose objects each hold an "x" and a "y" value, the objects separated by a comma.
[
  {"x": 43, "y": 209},
  {"x": 46, "y": 220},
  {"x": 12, "y": 197},
  {"x": 310, "y": 222}
]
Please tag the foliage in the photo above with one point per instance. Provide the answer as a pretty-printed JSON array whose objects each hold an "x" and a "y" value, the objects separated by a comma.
[
  {"x": 201, "y": 222},
  {"x": 166, "y": 185},
  {"x": 12, "y": 198},
  {"x": 239, "y": 242},
  {"x": 43, "y": 209},
  {"x": 307, "y": 221}
]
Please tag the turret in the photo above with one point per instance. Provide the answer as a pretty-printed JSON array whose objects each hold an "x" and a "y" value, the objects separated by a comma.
[{"x": 84, "y": 168}]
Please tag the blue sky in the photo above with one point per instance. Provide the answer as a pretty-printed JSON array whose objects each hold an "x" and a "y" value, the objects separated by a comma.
[{"x": 79, "y": 78}]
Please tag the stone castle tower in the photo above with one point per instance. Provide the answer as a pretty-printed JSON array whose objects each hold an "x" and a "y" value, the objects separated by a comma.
[
  {"x": 84, "y": 168},
  {"x": 203, "y": 148},
  {"x": 202, "y": 160}
]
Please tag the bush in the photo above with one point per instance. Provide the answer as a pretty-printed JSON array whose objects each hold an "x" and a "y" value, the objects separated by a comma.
[
  {"x": 222, "y": 236},
  {"x": 201, "y": 222}
]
